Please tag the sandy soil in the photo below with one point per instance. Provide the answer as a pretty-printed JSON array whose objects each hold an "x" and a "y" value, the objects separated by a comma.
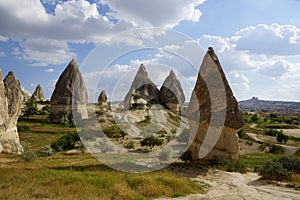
[{"x": 235, "y": 186}]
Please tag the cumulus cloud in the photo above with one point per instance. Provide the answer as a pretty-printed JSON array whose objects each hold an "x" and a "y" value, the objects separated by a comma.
[
  {"x": 239, "y": 81},
  {"x": 167, "y": 13},
  {"x": 78, "y": 21},
  {"x": 271, "y": 40}
]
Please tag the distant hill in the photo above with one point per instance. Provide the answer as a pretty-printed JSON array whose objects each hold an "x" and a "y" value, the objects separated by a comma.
[{"x": 255, "y": 105}]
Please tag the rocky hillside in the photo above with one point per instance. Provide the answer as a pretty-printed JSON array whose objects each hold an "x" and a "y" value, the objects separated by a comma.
[{"x": 256, "y": 105}]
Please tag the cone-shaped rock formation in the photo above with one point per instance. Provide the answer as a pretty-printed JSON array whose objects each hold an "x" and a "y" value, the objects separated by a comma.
[
  {"x": 11, "y": 99},
  {"x": 102, "y": 99},
  {"x": 213, "y": 113},
  {"x": 38, "y": 93},
  {"x": 171, "y": 94},
  {"x": 142, "y": 87},
  {"x": 70, "y": 96}
]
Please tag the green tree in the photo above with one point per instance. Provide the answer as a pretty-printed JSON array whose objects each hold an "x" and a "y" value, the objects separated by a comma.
[
  {"x": 151, "y": 142},
  {"x": 282, "y": 137},
  {"x": 30, "y": 107}
]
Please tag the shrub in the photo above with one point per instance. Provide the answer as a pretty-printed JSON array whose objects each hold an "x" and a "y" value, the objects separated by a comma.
[
  {"x": 250, "y": 143},
  {"x": 275, "y": 149},
  {"x": 242, "y": 134},
  {"x": 151, "y": 142},
  {"x": 274, "y": 170},
  {"x": 28, "y": 155},
  {"x": 282, "y": 137},
  {"x": 66, "y": 142},
  {"x": 290, "y": 163},
  {"x": 30, "y": 107},
  {"x": 24, "y": 129},
  {"x": 129, "y": 145},
  {"x": 271, "y": 132},
  {"x": 46, "y": 151},
  {"x": 166, "y": 154}
]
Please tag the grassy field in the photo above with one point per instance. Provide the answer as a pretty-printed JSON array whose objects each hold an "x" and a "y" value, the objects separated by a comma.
[{"x": 62, "y": 176}]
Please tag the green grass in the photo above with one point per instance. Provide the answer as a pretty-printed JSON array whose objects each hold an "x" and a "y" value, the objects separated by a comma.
[
  {"x": 83, "y": 177},
  {"x": 62, "y": 176}
]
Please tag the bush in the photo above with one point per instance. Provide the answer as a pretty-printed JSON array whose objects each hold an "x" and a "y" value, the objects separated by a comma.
[
  {"x": 66, "y": 142},
  {"x": 129, "y": 145},
  {"x": 242, "y": 134},
  {"x": 151, "y": 142},
  {"x": 282, "y": 137},
  {"x": 30, "y": 107},
  {"x": 290, "y": 163},
  {"x": 274, "y": 170},
  {"x": 28, "y": 155},
  {"x": 275, "y": 149},
  {"x": 271, "y": 132},
  {"x": 46, "y": 151},
  {"x": 24, "y": 129},
  {"x": 166, "y": 154}
]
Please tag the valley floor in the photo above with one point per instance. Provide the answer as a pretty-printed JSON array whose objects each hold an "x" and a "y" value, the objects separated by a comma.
[{"x": 236, "y": 186}]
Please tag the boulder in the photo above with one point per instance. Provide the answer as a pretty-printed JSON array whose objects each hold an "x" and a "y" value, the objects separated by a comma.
[
  {"x": 142, "y": 87},
  {"x": 213, "y": 113},
  {"x": 171, "y": 94},
  {"x": 102, "y": 99},
  {"x": 11, "y": 99},
  {"x": 38, "y": 93},
  {"x": 69, "y": 97}
]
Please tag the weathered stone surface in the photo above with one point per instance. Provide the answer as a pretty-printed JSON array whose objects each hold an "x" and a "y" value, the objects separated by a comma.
[
  {"x": 213, "y": 113},
  {"x": 26, "y": 96},
  {"x": 70, "y": 96},
  {"x": 171, "y": 94},
  {"x": 11, "y": 98},
  {"x": 102, "y": 99},
  {"x": 38, "y": 93},
  {"x": 142, "y": 87},
  {"x": 13, "y": 94}
]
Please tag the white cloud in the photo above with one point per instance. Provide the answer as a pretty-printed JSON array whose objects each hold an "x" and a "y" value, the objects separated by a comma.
[
  {"x": 50, "y": 70},
  {"x": 167, "y": 13},
  {"x": 271, "y": 40},
  {"x": 239, "y": 81},
  {"x": 42, "y": 52},
  {"x": 78, "y": 21}
]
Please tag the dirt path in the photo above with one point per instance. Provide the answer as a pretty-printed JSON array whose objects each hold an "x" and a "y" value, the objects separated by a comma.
[{"x": 235, "y": 186}]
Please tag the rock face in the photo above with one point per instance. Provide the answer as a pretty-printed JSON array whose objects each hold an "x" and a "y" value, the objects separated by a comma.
[
  {"x": 70, "y": 97},
  {"x": 142, "y": 87},
  {"x": 171, "y": 94},
  {"x": 26, "y": 96},
  {"x": 102, "y": 99},
  {"x": 38, "y": 93},
  {"x": 213, "y": 113},
  {"x": 11, "y": 98}
]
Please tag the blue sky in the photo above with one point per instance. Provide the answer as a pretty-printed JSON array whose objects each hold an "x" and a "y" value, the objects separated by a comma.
[{"x": 258, "y": 43}]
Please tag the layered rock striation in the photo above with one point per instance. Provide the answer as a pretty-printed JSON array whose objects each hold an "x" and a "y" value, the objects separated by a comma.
[
  {"x": 69, "y": 97},
  {"x": 213, "y": 113},
  {"x": 11, "y": 99},
  {"x": 142, "y": 87},
  {"x": 171, "y": 94}
]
